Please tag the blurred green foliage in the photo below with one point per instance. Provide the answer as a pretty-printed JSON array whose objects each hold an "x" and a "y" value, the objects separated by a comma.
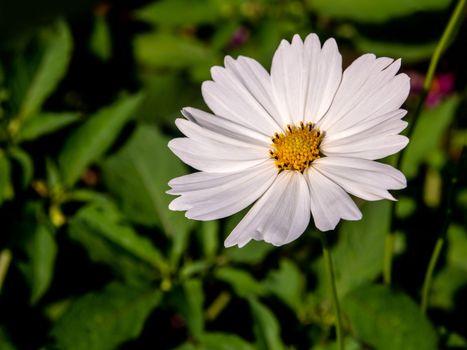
[{"x": 90, "y": 255}]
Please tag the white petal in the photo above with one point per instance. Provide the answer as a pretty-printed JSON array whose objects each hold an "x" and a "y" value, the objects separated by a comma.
[
  {"x": 370, "y": 141},
  {"x": 324, "y": 76},
  {"x": 280, "y": 216},
  {"x": 225, "y": 127},
  {"x": 201, "y": 134},
  {"x": 386, "y": 128},
  {"x": 363, "y": 178},
  {"x": 286, "y": 75},
  {"x": 369, "y": 88},
  {"x": 209, "y": 196},
  {"x": 329, "y": 202},
  {"x": 257, "y": 81},
  {"x": 372, "y": 147},
  {"x": 214, "y": 156},
  {"x": 305, "y": 78},
  {"x": 363, "y": 127},
  {"x": 230, "y": 97}
]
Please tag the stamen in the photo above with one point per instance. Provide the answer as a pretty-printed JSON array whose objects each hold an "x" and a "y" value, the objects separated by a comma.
[{"x": 297, "y": 147}]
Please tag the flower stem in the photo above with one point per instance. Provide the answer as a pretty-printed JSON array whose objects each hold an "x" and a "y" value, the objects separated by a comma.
[
  {"x": 217, "y": 306},
  {"x": 442, "y": 236},
  {"x": 429, "y": 273},
  {"x": 447, "y": 36},
  {"x": 335, "y": 300}
]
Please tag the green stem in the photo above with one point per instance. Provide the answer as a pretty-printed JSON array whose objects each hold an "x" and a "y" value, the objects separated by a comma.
[
  {"x": 429, "y": 273},
  {"x": 443, "y": 43},
  {"x": 5, "y": 260},
  {"x": 335, "y": 300},
  {"x": 217, "y": 306}
]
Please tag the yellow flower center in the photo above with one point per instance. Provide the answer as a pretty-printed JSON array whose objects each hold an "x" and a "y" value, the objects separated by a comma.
[{"x": 297, "y": 147}]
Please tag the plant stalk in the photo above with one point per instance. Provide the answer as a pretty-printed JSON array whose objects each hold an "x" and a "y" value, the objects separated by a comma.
[
  {"x": 332, "y": 281},
  {"x": 429, "y": 273}
]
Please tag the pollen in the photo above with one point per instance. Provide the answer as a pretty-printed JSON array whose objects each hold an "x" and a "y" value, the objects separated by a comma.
[{"x": 297, "y": 147}]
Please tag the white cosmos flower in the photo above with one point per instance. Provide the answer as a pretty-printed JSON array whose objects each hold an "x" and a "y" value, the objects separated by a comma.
[{"x": 292, "y": 142}]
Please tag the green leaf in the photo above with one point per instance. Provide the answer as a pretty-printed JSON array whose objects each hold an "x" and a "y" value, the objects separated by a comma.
[
  {"x": 174, "y": 12},
  {"x": 368, "y": 11},
  {"x": 453, "y": 276},
  {"x": 457, "y": 249},
  {"x": 179, "y": 246},
  {"x": 91, "y": 140},
  {"x": 388, "y": 320},
  {"x": 45, "y": 123},
  {"x": 287, "y": 284},
  {"x": 223, "y": 341},
  {"x": 253, "y": 253},
  {"x": 446, "y": 284},
  {"x": 405, "y": 207},
  {"x": 5, "y": 261},
  {"x": 38, "y": 245},
  {"x": 241, "y": 281},
  {"x": 5, "y": 341},
  {"x": 208, "y": 236},
  {"x": 164, "y": 50},
  {"x": 191, "y": 268},
  {"x": 92, "y": 197},
  {"x": 42, "y": 253},
  {"x": 6, "y": 186},
  {"x": 409, "y": 53},
  {"x": 101, "y": 40},
  {"x": 224, "y": 34},
  {"x": 350, "y": 344},
  {"x": 56, "y": 42},
  {"x": 53, "y": 177},
  {"x": 25, "y": 162},
  {"x": 188, "y": 299},
  {"x": 195, "y": 299},
  {"x": 266, "y": 327},
  {"x": 462, "y": 195},
  {"x": 186, "y": 346},
  {"x": 358, "y": 256},
  {"x": 456, "y": 341},
  {"x": 138, "y": 175},
  {"x": 103, "y": 320},
  {"x": 108, "y": 240},
  {"x": 217, "y": 341},
  {"x": 431, "y": 126},
  {"x": 162, "y": 101}
]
